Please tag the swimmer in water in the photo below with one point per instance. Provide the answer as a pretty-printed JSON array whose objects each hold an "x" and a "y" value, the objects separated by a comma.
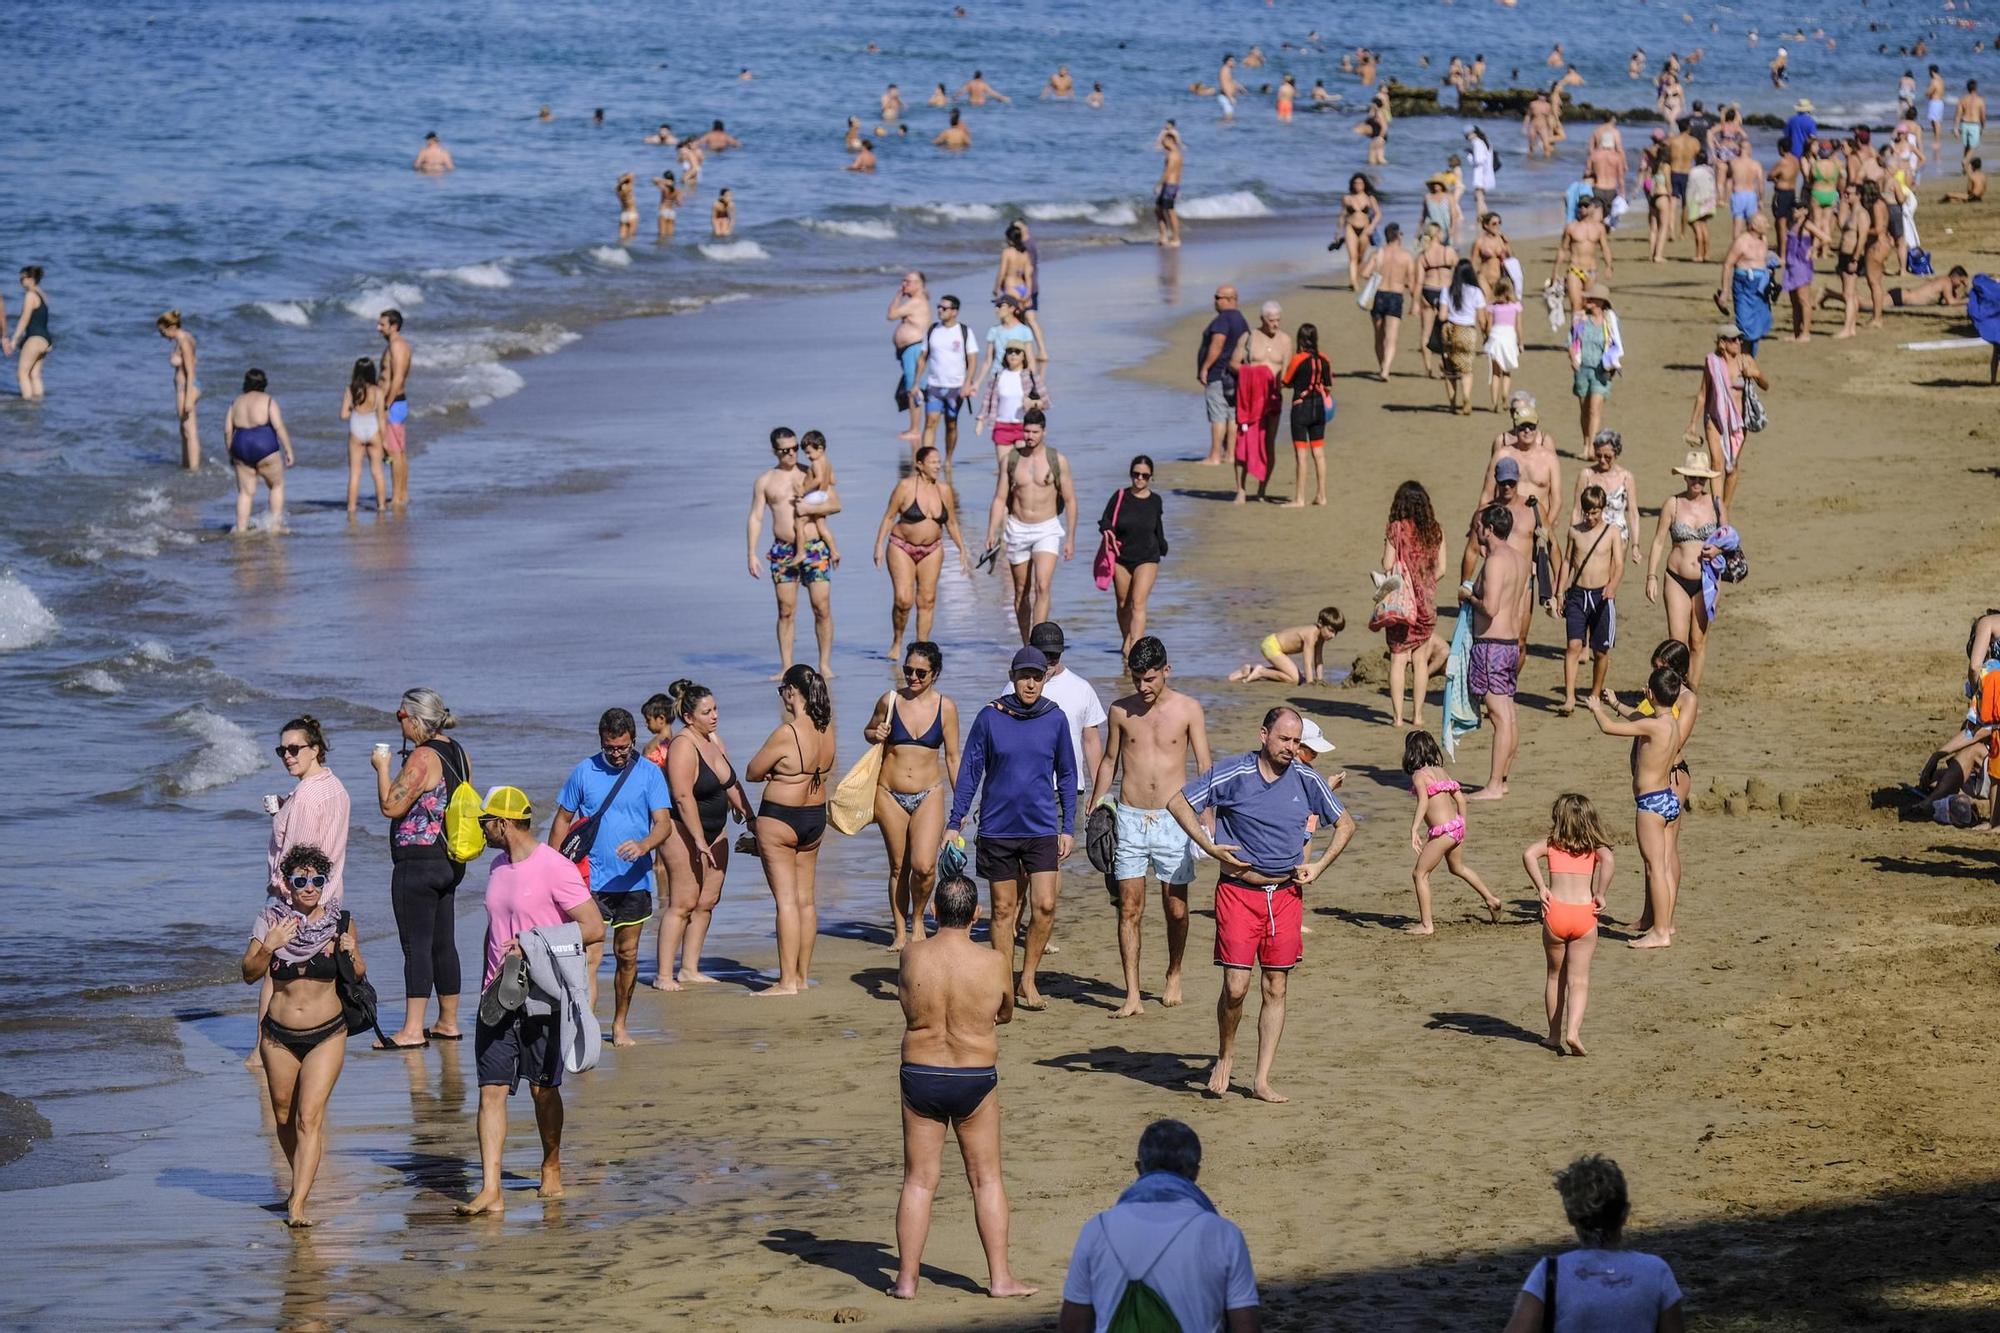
[
  {"x": 670, "y": 199},
  {"x": 954, "y": 138},
  {"x": 628, "y": 209},
  {"x": 722, "y": 217},
  {"x": 864, "y": 157},
  {"x": 434, "y": 159},
  {"x": 186, "y": 391}
]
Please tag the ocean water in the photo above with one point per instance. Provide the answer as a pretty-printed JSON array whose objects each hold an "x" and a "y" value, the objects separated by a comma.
[{"x": 247, "y": 163}]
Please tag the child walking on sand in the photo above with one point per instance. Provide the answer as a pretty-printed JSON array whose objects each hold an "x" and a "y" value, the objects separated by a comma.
[
  {"x": 1308, "y": 641},
  {"x": 1580, "y": 868},
  {"x": 1437, "y": 833},
  {"x": 1503, "y": 342}
]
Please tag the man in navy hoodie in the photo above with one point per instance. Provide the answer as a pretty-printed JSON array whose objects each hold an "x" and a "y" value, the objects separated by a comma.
[{"x": 1019, "y": 749}]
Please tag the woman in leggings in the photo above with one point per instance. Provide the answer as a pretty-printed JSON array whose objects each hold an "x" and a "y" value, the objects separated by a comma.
[
  {"x": 424, "y": 880},
  {"x": 793, "y": 765}
]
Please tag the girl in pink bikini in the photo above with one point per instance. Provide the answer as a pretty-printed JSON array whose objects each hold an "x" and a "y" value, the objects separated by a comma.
[
  {"x": 1580, "y": 868},
  {"x": 1437, "y": 833}
]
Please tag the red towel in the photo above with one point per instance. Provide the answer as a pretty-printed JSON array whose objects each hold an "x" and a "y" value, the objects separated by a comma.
[{"x": 1255, "y": 388}]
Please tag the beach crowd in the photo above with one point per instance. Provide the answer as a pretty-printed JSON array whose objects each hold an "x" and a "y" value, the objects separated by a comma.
[{"x": 1031, "y": 762}]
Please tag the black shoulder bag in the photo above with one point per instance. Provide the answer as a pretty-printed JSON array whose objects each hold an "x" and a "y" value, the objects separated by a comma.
[
  {"x": 358, "y": 1003},
  {"x": 582, "y": 835}
]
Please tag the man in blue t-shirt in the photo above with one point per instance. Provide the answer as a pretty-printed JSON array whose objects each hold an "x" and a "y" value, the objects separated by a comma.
[
  {"x": 1801, "y": 129},
  {"x": 1211, "y": 369},
  {"x": 1262, "y": 801},
  {"x": 625, "y": 829}
]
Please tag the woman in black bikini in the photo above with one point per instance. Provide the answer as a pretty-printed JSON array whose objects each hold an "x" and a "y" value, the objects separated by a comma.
[
  {"x": 922, "y": 509},
  {"x": 705, "y": 790},
  {"x": 1685, "y": 536},
  {"x": 793, "y": 765},
  {"x": 303, "y": 1038},
  {"x": 917, "y": 727}
]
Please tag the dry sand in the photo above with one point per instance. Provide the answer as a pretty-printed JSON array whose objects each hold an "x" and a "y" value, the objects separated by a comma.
[{"x": 1800, "y": 1090}]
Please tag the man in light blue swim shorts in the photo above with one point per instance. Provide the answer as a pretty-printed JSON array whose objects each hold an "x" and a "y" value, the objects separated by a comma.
[{"x": 1154, "y": 731}]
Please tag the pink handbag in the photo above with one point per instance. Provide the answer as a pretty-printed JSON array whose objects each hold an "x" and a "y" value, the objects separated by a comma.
[{"x": 1107, "y": 545}]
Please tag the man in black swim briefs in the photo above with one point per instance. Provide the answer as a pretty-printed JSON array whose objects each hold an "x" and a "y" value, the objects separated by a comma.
[{"x": 955, "y": 994}]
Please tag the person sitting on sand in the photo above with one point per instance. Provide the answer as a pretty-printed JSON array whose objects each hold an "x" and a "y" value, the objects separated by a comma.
[
  {"x": 1437, "y": 831},
  {"x": 1309, "y": 641},
  {"x": 302, "y": 1038},
  {"x": 1580, "y": 866},
  {"x": 955, "y": 994},
  {"x": 1602, "y": 1284},
  {"x": 1975, "y": 185}
]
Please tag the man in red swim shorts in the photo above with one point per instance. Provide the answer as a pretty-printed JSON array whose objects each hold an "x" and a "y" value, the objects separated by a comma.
[{"x": 1261, "y": 801}]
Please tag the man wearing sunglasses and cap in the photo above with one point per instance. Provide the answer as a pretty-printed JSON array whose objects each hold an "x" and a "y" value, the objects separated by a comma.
[
  {"x": 530, "y": 885},
  {"x": 1532, "y": 450},
  {"x": 1018, "y": 759},
  {"x": 1264, "y": 802}
]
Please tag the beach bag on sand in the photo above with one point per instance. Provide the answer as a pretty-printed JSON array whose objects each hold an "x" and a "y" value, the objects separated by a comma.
[
  {"x": 1141, "y": 1309},
  {"x": 1918, "y": 263},
  {"x": 1107, "y": 546},
  {"x": 853, "y": 805}
]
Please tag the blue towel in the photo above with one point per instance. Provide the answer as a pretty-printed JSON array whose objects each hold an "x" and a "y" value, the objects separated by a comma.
[
  {"x": 1461, "y": 714},
  {"x": 1165, "y": 1187},
  {"x": 1983, "y": 306},
  {"x": 1725, "y": 539},
  {"x": 1753, "y": 307}
]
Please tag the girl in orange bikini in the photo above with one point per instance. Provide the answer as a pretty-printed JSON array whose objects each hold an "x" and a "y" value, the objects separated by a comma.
[
  {"x": 1437, "y": 833},
  {"x": 1580, "y": 869}
]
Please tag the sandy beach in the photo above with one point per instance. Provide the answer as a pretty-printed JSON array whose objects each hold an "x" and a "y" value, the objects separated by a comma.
[{"x": 1797, "y": 1089}]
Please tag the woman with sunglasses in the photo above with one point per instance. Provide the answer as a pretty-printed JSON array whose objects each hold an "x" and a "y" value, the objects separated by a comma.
[
  {"x": 423, "y": 882},
  {"x": 303, "y": 1038},
  {"x": 1132, "y": 525},
  {"x": 315, "y": 813},
  {"x": 922, "y": 510},
  {"x": 791, "y": 818},
  {"x": 918, "y": 730}
]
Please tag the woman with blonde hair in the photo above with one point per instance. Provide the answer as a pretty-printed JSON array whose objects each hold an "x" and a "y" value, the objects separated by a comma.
[{"x": 186, "y": 391}]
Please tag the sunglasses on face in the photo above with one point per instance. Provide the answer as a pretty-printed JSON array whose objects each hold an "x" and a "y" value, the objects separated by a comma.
[
  {"x": 917, "y": 673},
  {"x": 290, "y": 751},
  {"x": 308, "y": 881},
  {"x": 615, "y": 750},
  {"x": 1142, "y": 476}
]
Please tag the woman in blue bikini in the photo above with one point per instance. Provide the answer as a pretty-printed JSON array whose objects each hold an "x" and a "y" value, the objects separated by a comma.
[
  {"x": 254, "y": 431},
  {"x": 918, "y": 729}
]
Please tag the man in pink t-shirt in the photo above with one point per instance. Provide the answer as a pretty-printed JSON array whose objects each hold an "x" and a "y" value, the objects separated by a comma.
[{"x": 530, "y": 884}]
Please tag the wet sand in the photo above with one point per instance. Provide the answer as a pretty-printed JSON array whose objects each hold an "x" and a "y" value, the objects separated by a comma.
[{"x": 1799, "y": 1090}]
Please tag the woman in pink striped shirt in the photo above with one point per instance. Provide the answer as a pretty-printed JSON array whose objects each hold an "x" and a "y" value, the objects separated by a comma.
[{"x": 314, "y": 813}]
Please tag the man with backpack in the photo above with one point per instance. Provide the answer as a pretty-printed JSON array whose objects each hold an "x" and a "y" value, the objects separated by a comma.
[
  {"x": 1034, "y": 506},
  {"x": 610, "y": 816},
  {"x": 1162, "y": 1260}
]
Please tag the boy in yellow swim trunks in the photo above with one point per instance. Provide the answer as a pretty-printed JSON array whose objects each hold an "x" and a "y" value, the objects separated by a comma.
[{"x": 1309, "y": 641}]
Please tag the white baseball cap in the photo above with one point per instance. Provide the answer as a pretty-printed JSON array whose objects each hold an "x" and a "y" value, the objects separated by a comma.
[{"x": 1313, "y": 738}]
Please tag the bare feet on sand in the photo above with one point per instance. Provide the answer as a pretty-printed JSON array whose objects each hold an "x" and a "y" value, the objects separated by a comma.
[
  {"x": 1030, "y": 999},
  {"x": 1132, "y": 1008},
  {"x": 621, "y": 1037},
  {"x": 1170, "y": 995},
  {"x": 778, "y": 990},
  {"x": 1493, "y": 909},
  {"x": 665, "y": 983},
  {"x": 1420, "y": 928},
  {"x": 1492, "y": 791},
  {"x": 698, "y": 979},
  {"x": 298, "y": 1221},
  {"x": 551, "y": 1186},
  {"x": 1008, "y": 1287},
  {"x": 1652, "y": 939},
  {"x": 1574, "y": 1046},
  {"x": 1264, "y": 1092},
  {"x": 486, "y": 1201},
  {"x": 1218, "y": 1077}
]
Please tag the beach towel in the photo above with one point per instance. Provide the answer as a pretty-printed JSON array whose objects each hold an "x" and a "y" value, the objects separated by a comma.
[
  {"x": 1513, "y": 267},
  {"x": 1723, "y": 412},
  {"x": 1701, "y": 193},
  {"x": 1752, "y": 304},
  {"x": 1255, "y": 388},
  {"x": 1461, "y": 714},
  {"x": 1982, "y": 306},
  {"x": 1552, "y": 297},
  {"x": 1725, "y": 539}
]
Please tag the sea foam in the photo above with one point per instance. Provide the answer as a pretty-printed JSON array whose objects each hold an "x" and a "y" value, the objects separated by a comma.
[
  {"x": 226, "y": 752},
  {"x": 388, "y": 296},
  {"x": 474, "y": 275},
  {"x": 860, "y": 229},
  {"x": 1235, "y": 204},
  {"x": 611, "y": 255},
  {"x": 24, "y": 621},
  {"x": 735, "y": 252},
  {"x": 286, "y": 312}
]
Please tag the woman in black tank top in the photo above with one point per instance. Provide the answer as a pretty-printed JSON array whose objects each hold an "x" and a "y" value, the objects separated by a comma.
[{"x": 705, "y": 790}]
